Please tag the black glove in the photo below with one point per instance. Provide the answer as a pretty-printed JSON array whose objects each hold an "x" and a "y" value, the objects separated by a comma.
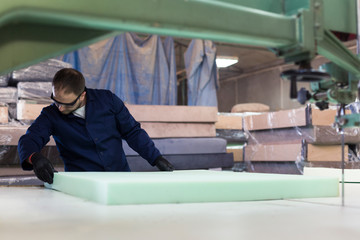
[
  {"x": 43, "y": 168},
  {"x": 163, "y": 165}
]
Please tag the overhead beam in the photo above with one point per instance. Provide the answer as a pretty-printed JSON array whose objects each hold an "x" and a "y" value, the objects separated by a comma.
[
  {"x": 61, "y": 27},
  {"x": 33, "y": 30}
]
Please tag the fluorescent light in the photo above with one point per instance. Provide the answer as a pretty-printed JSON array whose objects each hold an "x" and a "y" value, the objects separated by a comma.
[{"x": 224, "y": 61}]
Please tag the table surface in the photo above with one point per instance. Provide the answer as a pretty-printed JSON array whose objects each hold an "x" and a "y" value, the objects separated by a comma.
[{"x": 40, "y": 213}]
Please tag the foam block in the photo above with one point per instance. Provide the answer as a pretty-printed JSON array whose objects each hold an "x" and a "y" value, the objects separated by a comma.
[
  {"x": 4, "y": 114},
  {"x": 29, "y": 111},
  {"x": 183, "y": 146},
  {"x": 229, "y": 121},
  {"x": 290, "y": 118},
  {"x": 238, "y": 153},
  {"x": 171, "y": 130},
  {"x": 350, "y": 175},
  {"x": 273, "y": 152},
  {"x": 185, "y": 162},
  {"x": 190, "y": 186},
  {"x": 164, "y": 113},
  {"x": 272, "y": 120},
  {"x": 326, "y": 153}
]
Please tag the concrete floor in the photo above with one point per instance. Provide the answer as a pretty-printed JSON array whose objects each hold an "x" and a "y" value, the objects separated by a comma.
[{"x": 39, "y": 213}]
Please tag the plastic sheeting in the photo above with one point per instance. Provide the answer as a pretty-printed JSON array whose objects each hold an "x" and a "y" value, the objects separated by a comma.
[
  {"x": 286, "y": 141},
  {"x": 39, "y": 91},
  {"x": 201, "y": 73},
  {"x": 139, "y": 71},
  {"x": 41, "y": 72},
  {"x": 8, "y": 95},
  {"x": 4, "y": 80}
]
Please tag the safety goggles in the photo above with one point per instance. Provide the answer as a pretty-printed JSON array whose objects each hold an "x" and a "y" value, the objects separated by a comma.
[{"x": 57, "y": 103}]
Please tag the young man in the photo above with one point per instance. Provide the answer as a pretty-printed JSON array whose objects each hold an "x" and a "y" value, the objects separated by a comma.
[{"x": 88, "y": 126}]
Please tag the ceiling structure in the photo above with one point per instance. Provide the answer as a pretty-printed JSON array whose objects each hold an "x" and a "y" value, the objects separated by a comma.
[{"x": 251, "y": 58}]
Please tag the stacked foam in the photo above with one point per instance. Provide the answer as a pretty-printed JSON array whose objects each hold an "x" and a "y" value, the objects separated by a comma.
[
  {"x": 295, "y": 136},
  {"x": 185, "y": 135},
  {"x": 229, "y": 126},
  {"x": 161, "y": 121}
]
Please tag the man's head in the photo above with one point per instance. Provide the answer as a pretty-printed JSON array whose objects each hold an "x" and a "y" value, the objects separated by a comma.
[{"x": 68, "y": 90}]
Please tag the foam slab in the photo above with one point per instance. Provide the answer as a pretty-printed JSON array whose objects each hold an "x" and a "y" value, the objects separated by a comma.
[
  {"x": 190, "y": 186},
  {"x": 350, "y": 175},
  {"x": 184, "y": 146},
  {"x": 185, "y": 162}
]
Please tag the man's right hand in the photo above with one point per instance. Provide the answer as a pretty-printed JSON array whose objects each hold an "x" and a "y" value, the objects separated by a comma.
[{"x": 43, "y": 168}]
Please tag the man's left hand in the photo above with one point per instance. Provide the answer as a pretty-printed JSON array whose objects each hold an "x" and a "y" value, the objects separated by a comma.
[{"x": 163, "y": 165}]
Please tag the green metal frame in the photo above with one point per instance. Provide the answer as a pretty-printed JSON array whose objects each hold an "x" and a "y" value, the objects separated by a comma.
[{"x": 34, "y": 30}]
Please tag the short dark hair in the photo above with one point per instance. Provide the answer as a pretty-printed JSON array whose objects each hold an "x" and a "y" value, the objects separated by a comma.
[{"x": 70, "y": 80}]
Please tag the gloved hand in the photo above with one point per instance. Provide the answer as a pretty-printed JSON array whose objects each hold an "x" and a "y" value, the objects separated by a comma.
[
  {"x": 43, "y": 168},
  {"x": 163, "y": 165}
]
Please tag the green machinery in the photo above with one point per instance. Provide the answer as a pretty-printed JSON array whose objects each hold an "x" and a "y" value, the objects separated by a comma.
[{"x": 297, "y": 30}]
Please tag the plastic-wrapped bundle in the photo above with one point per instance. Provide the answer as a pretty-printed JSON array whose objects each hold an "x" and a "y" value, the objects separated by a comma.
[
  {"x": 8, "y": 95},
  {"x": 41, "y": 72},
  {"x": 34, "y": 91},
  {"x": 4, "y": 80}
]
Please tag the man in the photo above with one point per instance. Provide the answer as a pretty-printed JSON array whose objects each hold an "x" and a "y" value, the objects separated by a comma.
[{"x": 88, "y": 126}]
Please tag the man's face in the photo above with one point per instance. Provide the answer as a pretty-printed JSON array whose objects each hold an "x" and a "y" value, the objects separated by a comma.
[{"x": 67, "y": 102}]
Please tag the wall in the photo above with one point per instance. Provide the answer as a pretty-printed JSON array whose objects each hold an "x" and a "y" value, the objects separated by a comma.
[{"x": 264, "y": 86}]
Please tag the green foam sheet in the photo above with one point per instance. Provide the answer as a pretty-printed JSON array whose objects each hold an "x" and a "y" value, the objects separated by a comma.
[{"x": 190, "y": 186}]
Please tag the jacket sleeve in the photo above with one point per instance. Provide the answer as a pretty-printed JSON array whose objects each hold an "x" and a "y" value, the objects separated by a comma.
[
  {"x": 131, "y": 131},
  {"x": 35, "y": 138}
]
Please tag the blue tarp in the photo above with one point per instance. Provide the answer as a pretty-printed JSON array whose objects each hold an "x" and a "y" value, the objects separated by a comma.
[
  {"x": 139, "y": 71},
  {"x": 202, "y": 73}
]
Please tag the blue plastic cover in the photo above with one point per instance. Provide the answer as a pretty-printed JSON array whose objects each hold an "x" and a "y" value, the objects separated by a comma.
[
  {"x": 201, "y": 72},
  {"x": 139, "y": 71}
]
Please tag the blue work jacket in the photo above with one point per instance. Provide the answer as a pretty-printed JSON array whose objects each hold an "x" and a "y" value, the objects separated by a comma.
[{"x": 93, "y": 143}]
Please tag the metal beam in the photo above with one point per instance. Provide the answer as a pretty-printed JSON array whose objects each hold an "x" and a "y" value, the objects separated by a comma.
[
  {"x": 340, "y": 15},
  {"x": 214, "y": 20},
  {"x": 331, "y": 48},
  {"x": 23, "y": 44},
  {"x": 33, "y": 30}
]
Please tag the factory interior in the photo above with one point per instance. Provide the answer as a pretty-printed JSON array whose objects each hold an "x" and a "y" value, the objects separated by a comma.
[{"x": 253, "y": 106}]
